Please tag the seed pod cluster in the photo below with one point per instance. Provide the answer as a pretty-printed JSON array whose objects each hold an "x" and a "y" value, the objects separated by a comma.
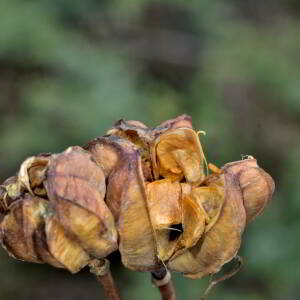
[
  {"x": 55, "y": 211},
  {"x": 143, "y": 191}
]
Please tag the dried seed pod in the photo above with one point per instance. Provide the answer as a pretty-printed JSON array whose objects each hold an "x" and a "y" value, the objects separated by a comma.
[
  {"x": 13, "y": 238},
  {"x": 221, "y": 238},
  {"x": 164, "y": 203},
  {"x": 179, "y": 154},
  {"x": 128, "y": 157},
  {"x": 257, "y": 186},
  {"x": 76, "y": 186},
  {"x": 171, "y": 150},
  {"x": 207, "y": 218},
  {"x": 126, "y": 198},
  {"x": 65, "y": 249},
  {"x": 230, "y": 199},
  {"x": 23, "y": 230},
  {"x": 71, "y": 224},
  {"x": 140, "y": 190}
]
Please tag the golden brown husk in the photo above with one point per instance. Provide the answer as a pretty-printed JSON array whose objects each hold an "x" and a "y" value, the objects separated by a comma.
[
  {"x": 141, "y": 190},
  {"x": 71, "y": 224}
]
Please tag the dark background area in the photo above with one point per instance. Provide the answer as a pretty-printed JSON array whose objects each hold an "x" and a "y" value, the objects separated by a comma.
[{"x": 70, "y": 69}]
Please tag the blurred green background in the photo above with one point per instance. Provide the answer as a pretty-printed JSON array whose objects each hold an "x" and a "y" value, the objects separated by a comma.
[{"x": 70, "y": 69}]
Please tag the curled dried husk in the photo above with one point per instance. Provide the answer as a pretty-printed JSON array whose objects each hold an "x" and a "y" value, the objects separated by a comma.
[
  {"x": 126, "y": 199},
  {"x": 29, "y": 179},
  {"x": 256, "y": 184},
  {"x": 131, "y": 155},
  {"x": 23, "y": 230},
  {"x": 230, "y": 200},
  {"x": 10, "y": 190},
  {"x": 177, "y": 154},
  {"x": 76, "y": 186},
  {"x": 140, "y": 190},
  {"x": 224, "y": 224},
  {"x": 164, "y": 203},
  {"x": 71, "y": 224},
  {"x": 171, "y": 150},
  {"x": 32, "y": 173},
  {"x": 197, "y": 225}
]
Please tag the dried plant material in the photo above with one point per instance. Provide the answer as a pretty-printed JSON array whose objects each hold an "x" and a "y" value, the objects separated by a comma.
[
  {"x": 146, "y": 141},
  {"x": 23, "y": 231},
  {"x": 164, "y": 203},
  {"x": 63, "y": 248},
  {"x": 37, "y": 165},
  {"x": 30, "y": 176},
  {"x": 100, "y": 268},
  {"x": 141, "y": 136},
  {"x": 214, "y": 168},
  {"x": 193, "y": 220},
  {"x": 79, "y": 202},
  {"x": 179, "y": 154},
  {"x": 72, "y": 224},
  {"x": 76, "y": 177},
  {"x": 94, "y": 235},
  {"x": 35, "y": 213},
  {"x": 13, "y": 238},
  {"x": 140, "y": 190},
  {"x": 183, "y": 121},
  {"x": 257, "y": 187},
  {"x": 10, "y": 191},
  {"x": 126, "y": 197},
  {"x": 105, "y": 154},
  {"x": 221, "y": 242},
  {"x": 224, "y": 277},
  {"x": 79, "y": 199},
  {"x": 210, "y": 199}
]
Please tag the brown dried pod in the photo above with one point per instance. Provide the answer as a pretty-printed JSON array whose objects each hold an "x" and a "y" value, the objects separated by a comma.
[
  {"x": 229, "y": 200},
  {"x": 257, "y": 185},
  {"x": 224, "y": 215},
  {"x": 124, "y": 155},
  {"x": 76, "y": 186},
  {"x": 211, "y": 217},
  {"x": 143, "y": 191},
  {"x": 71, "y": 224},
  {"x": 126, "y": 199},
  {"x": 171, "y": 150},
  {"x": 23, "y": 230}
]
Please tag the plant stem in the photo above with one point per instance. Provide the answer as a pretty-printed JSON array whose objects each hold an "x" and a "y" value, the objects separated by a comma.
[
  {"x": 101, "y": 270},
  {"x": 162, "y": 280}
]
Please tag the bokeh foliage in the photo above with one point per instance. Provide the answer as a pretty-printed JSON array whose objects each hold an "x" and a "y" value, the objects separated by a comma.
[{"x": 70, "y": 69}]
